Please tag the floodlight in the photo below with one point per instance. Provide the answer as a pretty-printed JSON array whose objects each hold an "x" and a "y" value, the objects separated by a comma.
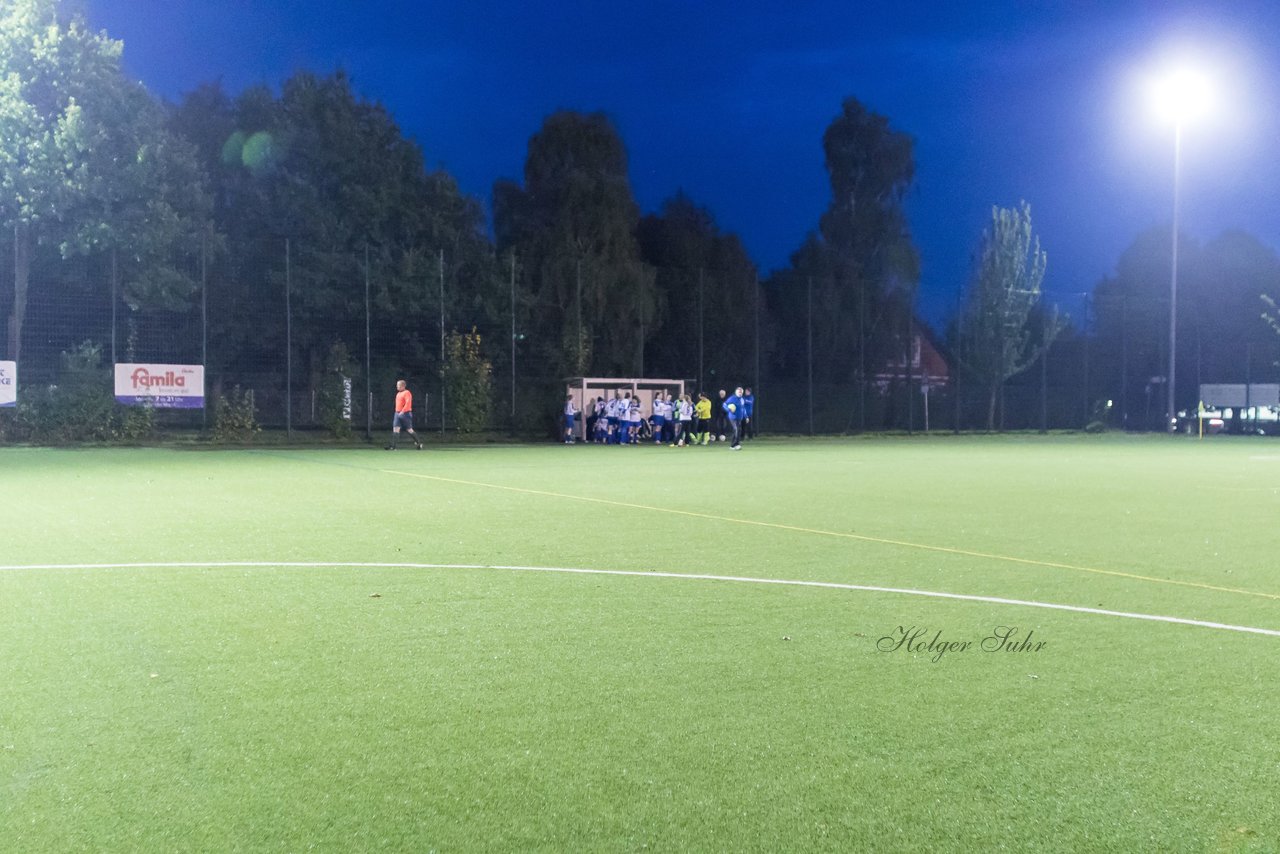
[{"x": 1182, "y": 95}]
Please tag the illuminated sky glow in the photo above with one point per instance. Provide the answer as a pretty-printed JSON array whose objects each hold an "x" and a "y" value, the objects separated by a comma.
[{"x": 1006, "y": 100}]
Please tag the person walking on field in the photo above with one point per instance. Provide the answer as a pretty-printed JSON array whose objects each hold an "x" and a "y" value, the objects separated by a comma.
[{"x": 404, "y": 417}]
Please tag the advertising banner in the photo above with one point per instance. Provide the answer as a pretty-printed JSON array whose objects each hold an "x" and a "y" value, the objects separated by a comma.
[
  {"x": 161, "y": 386},
  {"x": 1239, "y": 394},
  {"x": 8, "y": 383}
]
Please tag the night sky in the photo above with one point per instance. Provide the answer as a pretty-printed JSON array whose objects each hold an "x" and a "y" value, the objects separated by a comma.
[{"x": 1034, "y": 100}]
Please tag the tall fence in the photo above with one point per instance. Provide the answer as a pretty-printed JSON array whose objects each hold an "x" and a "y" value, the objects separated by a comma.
[{"x": 267, "y": 331}]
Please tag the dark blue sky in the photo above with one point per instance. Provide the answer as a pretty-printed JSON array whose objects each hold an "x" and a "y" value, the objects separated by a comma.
[{"x": 1006, "y": 100}]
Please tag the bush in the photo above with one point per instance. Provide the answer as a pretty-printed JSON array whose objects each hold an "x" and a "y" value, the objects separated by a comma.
[
  {"x": 137, "y": 423},
  {"x": 468, "y": 382},
  {"x": 334, "y": 398},
  {"x": 80, "y": 407},
  {"x": 235, "y": 419}
]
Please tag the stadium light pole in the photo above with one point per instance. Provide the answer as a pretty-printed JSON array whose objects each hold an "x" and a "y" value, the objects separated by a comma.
[
  {"x": 288, "y": 342},
  {"x": 1181, "y": 96},
  {"x": 1170, "y": 410}
]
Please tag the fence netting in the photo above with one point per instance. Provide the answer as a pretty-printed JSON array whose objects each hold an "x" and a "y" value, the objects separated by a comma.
[{"x": 315, "y": 357}]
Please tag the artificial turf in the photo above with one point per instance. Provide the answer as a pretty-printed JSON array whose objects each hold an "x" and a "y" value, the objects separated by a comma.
[{"x": 406, "y": 707}]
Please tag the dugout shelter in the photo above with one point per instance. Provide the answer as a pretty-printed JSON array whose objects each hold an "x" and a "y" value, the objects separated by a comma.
[{"x": 586, "y": 389}]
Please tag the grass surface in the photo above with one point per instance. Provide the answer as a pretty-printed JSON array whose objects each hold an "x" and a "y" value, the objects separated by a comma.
[{"x": 176, "y": 707}]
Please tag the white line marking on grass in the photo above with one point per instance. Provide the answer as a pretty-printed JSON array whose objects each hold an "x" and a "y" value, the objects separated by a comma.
[
  {"x": 1238, "y": 488},
  {"x": 739, "y": 579},
  {"x": 1023, "y": 561}
]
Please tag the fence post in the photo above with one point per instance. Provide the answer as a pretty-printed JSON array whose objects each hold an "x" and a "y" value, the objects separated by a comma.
[
  {"x": 756, "y": 390},
  {"x": 204, "y": 328},
  {"x": 513, "y": 349},
  {"x": 288, "y": 344},
  {"x": 368, "y": 361},
  {"x": 701, "y": 385},
  {"x": 442, "y": 397},
  {"x": 115, "y": 285},
  {"x": 862, "y": 360},
  {"x": 810, "y": 335},
  {"x": 1044, "y": 374},
  {"x": 955, "y": 394},
  {"x": 910, "y": 369}
]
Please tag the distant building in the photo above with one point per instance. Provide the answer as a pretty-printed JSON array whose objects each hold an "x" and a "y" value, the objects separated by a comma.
[
  {"x": 1235, "y": 408},
  {"x": 926, "y": 368}
]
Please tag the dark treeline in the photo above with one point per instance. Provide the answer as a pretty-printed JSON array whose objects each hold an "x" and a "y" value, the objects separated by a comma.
[
  {"x": 306, "y": 221},
  {"x": 1222, "y": 336}
]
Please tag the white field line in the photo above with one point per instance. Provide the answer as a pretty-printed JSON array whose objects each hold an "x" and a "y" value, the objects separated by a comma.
[{"x": 830, "y": 585}]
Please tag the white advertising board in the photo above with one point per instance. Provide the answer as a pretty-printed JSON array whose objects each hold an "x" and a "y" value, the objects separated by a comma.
[
  {"x": 8, "y": 383},
  {"x": 1238, "y": 394},
  {"x": 161, "y": 386}
]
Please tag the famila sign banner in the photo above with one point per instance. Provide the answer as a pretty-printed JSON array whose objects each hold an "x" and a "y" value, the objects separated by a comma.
[{"x": 161, "y": 386}]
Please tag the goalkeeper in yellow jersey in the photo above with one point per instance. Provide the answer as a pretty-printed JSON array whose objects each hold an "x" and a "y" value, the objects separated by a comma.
[{"x": 702, "y": 412}]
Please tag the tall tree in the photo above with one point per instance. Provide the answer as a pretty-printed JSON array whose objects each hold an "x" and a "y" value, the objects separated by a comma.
[
  {"x": 707, "y": 295},
  {"x": 861, "y": 266},
  {"x": 86, "y": 163},
  {"x": 1221, "y": 336},
  {"x": 1271, "y": 316},
  {"x": 870, "y": 167},
  {"x": 1131, "y": 311},
  {"x": 996, "y": 341},
  {"x": 572, "y": 225},
  {"x": 1227, "y": 334},
  {"x": 334, "y": 175}
]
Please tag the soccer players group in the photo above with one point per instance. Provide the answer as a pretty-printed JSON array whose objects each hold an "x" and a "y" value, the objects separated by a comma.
[{"x": 677, "y": 421}]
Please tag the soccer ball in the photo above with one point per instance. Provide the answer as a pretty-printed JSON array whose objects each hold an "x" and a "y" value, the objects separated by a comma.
[
  {"x": 733, "y": 407},
  {"x": 722, "y": 437}
]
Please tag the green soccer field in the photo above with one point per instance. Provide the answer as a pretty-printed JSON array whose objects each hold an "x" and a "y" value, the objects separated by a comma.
[{"x": 358, "y": 650}]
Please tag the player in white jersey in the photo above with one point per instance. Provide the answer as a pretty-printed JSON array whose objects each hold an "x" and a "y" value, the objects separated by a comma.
[
  {"x": 673, "y": 415},
  {"x": 570, "y": 414},
  {"x": 624, "y": 418},
  {"x": 659, "y": 417},
  {"x": 633, "y": 419},
  {"x": 611, "y": 412},
  {"x": 685, "y": 420}
]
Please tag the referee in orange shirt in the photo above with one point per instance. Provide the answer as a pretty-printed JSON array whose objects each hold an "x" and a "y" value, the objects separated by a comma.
[{"x": 404, "y": 416}]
